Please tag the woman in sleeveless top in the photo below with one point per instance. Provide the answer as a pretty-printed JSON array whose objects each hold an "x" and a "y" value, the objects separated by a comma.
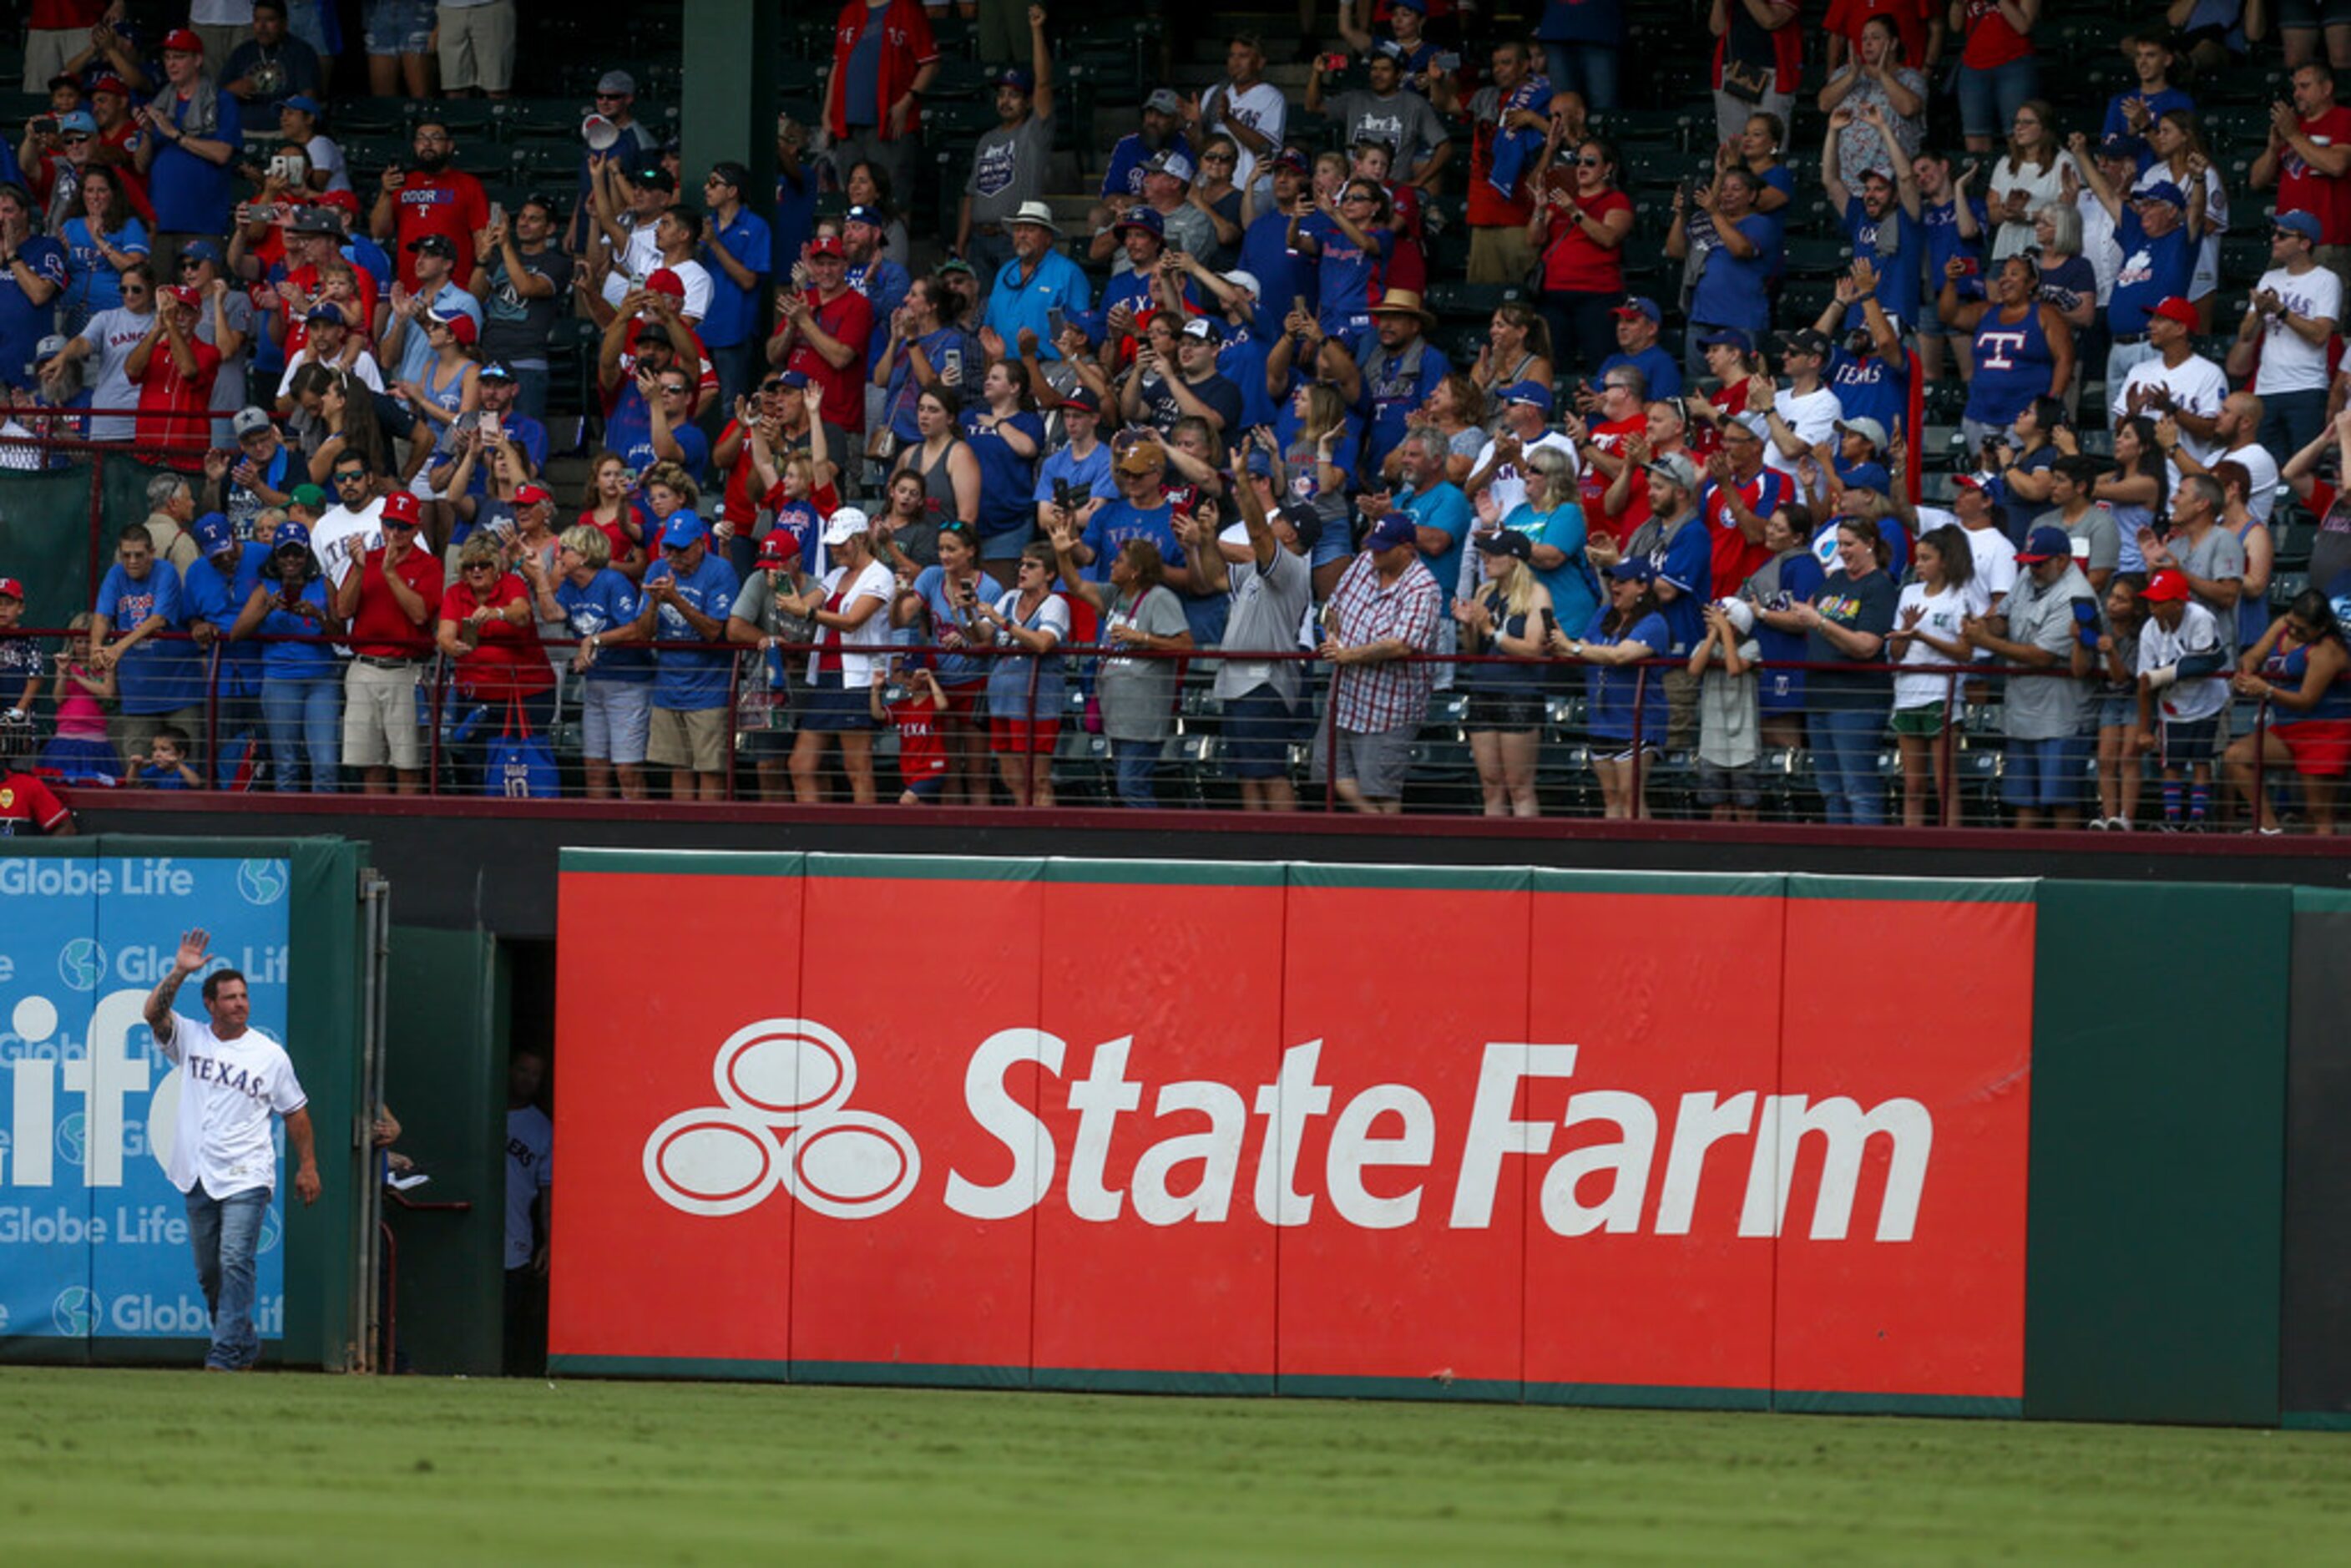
[
  {"x": 1517, "y": 348},
  {"x": 950, "y": 472},
  {"x": 2023, "y": 348},
  {"x": 2302, "y": 670}
]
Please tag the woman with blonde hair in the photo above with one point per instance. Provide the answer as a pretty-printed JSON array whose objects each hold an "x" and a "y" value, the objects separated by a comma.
[{"x": 1509, "y": 617}]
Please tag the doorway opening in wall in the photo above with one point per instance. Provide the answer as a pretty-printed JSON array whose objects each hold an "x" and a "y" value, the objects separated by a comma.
[{"x": 529, "y": 969}]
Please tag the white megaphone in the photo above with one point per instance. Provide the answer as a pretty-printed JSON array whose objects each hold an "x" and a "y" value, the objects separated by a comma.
[{"x": 599, "y": 132}]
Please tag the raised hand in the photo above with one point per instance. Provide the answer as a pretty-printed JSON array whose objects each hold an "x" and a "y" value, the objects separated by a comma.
[{"x": 195, "y": 945}]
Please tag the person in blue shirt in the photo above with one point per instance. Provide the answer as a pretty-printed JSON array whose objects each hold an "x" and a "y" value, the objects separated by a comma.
[
  {"x": 217, "y": 588},
  {"x": 2134, "y": 109},
  {"x": 1719, "y": 230},
  {"x": 923, "y": 346},
  {"x": 196, "y": 135},
  {"x": 1162, "y": 132},
  {"x": 1283, "y": 274},
  {"x": 1080, "y": 464},
  {"x": 1439, "y": 512},
  {"x": 1349, "y": 237},
  {"x": 1141, "y": 511},
  {"x": 36, "y": 270},
  {"x": 797, "y": 184},
  {"x": 1882, "y": 219},
  {"x": 1637, "y": 320},
  {"x": 686, "y": 597},
  {"x": 1037, "y": 280},
  {"x": 1939, "y": 212},
  {"x": 864, "y": 237},
  {"x": 301, "y": 681},
  {"x": 520, "y": 434},
  {"x": 603, "y": 611},
  {"x": 159, "y": 680},
  {"x": 1871, "y": 372},
  {"x": 1627, "y": 719},
  {"x": 1398, "y": 372},
  {"x": 1007, "y": 438},
  {"x": 1680, "y": 555},
  {"x": 103, "y": 236},
  {"x": 735, "y": 252},
  {"x": 2159, "y": 251}
]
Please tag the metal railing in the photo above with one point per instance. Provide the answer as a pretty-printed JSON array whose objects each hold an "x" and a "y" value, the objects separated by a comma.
[{"x": 1580, "y": 730}]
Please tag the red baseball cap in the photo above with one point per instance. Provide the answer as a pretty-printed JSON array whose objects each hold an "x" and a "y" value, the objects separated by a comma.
[
  {"x": 2163, "y": 585},
  {"x": 531, "y": 495},
  {"x": 347, "y": 200},
  {"x": 112, "y": 83},
  {"x": 2176, "y": 310},
  {"x": 12, "y": 588},
  {"x": 780, "y": 547},
  {"x": 183, "y": 41},
  {"x": 664, "y": 281},
  {"x": 400, "y": 507},
  {"x": 827, "y": 244},
  {"x": 183, "y": 294},
  {"x": 461, "y": 326}
]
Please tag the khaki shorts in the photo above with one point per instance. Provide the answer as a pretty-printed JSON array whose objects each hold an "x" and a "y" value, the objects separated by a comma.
[
  {"x": 1499, "y": 253},
  {"x": 477, "y": 45},
  {"x": 693, "y": 739},
  {"x": 379, "y": 717}
]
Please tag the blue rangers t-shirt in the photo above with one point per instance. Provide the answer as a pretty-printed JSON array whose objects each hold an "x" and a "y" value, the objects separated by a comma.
[
  {"x": 689, "y": 678},
  {"x": 159, "y": 674},
  {"x": 608, "y": 602}
]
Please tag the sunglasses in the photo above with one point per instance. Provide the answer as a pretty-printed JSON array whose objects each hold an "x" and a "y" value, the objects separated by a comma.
[
  {"x": 411, "y": 528},
  {"x": 1590, "y": 162},
  {"x": 359, "y": 478},
  {"x": 483, "y": 566}
]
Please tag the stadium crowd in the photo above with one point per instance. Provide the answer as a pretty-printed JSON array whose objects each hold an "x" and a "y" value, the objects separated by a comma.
[{"x": 851, "y": 474}]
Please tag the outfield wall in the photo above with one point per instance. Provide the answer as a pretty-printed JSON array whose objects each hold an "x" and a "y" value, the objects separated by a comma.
[{"x": 1756, "y": 1142}]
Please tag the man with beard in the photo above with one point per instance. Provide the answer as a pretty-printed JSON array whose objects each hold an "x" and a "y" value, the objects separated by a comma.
[
  {"x": 430, "y": 198},
  {"x": 1121, "y": 184}
]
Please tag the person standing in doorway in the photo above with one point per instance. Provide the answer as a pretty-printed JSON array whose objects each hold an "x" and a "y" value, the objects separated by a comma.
[{"x": 530, "y": 1168}]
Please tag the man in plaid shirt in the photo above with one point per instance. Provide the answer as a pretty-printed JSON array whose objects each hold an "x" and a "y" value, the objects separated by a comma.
[{"x": 1381, "y": 617}]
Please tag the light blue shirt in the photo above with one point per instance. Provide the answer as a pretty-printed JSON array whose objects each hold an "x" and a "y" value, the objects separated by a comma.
[{"x": 1058, "y": 283}]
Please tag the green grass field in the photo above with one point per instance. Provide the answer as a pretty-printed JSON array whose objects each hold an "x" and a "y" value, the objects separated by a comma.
[{"x": 176, "y": 1468}]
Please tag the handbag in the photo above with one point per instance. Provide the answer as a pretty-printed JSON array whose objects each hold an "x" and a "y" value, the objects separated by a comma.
[
  {"x": 1747, "y": 81},
  {"x": 519, "y": 765}
]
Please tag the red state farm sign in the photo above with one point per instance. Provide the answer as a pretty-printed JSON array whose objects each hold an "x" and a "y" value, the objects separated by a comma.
[{"x": 1265, "y": 1134}]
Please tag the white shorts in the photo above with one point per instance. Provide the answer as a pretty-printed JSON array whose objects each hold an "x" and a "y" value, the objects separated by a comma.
[{"x": 379, "y": 717}]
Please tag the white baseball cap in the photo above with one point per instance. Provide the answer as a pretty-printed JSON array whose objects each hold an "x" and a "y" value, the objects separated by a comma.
[{"x": 844, "y": 525}]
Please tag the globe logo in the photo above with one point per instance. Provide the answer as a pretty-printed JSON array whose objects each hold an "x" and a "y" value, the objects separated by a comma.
[
  {"x": 72, "y": 1138},
  {"x": 272, "y": 1226},
  {"x": 261, "y": 882},
  {"x": 81, "y": 964},
  {"x": 77, "y": 1311}
]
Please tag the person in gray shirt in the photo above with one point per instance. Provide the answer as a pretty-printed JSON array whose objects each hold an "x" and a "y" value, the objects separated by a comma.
[
  {"x": 2050, "y": 622},
  {"x": 2097, "y": 541},
  {"x": 1387, "y": 112},
  {"x": 1010, "y": 163},
  {"x": 2212, "y": 557},
  {"x": 1272, "y": 592}
]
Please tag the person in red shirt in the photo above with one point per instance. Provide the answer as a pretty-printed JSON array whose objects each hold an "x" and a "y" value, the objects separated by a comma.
[
  {"x": 913, "y": 707},
  {"x": 1498, "y": 249},
  {"x": 1919, "y": 24},
  {"x": 2308, "y": 159},
  {"x": 1578, "y": 224},
  {"x": 174, "y": 370},
  {"x": 875, "y": 114},
  {"x": 1997, "y": 74},
  {"x": 823, "y": 335},
  {"x": 1622, "y": 417},
  {"x": 1739, "y": 494},
  {"x": 390, "y": 605},
  {"x": 432, "y": 198},
  {"x": 487, "y": 627}
]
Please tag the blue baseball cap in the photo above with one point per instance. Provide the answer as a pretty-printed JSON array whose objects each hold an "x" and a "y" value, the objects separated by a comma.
[
  {"x": 2306, "y": 224},
  {"x": 2045, "y": 544},
  {"x": 1395, "y": 528},
  {"x": 78, "y": 122},
  {"x": 303, "y": 101},
  {"x": 1638, "y": 305},
  {"x": 213, "y": 534},
  {"x": 682, "y": 530},
  {"x": 1633, "y": 569},
  {"x": 1866, "y": 476},
  {"x": 1731, "y": 335},
  {"x": 293, "y": 534},
  {"x": 2163, "y": 191},
  {"x": 2129, "y": 147},
  {"x": 1141, "y": 218},
  {"x": 1014, "y": 79},
  {"x": 1533, "y": 393},
  {"x": 1418, "y": 8},
  {"x": 204, "y": 250},
  {"x": 1261, "y": 462},
  {"x": 325, "y": 310}
]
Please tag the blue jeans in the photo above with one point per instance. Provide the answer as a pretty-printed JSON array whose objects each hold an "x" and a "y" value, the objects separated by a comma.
[
  {"x": 225, "y": 1232},
  {"x": 1844, "y": 763},
  {"x": 737, "y": 364},
  {"x": 2292, "y": 421},
  {"x": 1135, "y": 762},
  {"x": 1586, "y": 68},
  {"x": 305, "y": 719},
  {"x": 1989, "y": 100}
]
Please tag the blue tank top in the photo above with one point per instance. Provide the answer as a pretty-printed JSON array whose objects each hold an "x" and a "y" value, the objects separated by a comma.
[
  {"x": 2289, "y": 670},
  {"x": 2012, "y": 366},
  {"x": 2252, "y": 609}
]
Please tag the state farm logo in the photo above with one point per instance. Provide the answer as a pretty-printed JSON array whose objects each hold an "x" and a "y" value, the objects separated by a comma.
[
  {"x": 783, "y": 1074},
  {"x": 1382, "y": 1158}
]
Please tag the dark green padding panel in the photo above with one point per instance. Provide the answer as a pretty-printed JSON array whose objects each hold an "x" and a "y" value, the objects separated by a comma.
[{"x": 2157, "y": 1152}]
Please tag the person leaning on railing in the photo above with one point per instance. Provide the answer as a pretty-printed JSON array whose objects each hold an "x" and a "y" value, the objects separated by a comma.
[
  {"x": 1027, "y": 677},
  {"x": 1508, "y": 617},
  {"x": 1626, "y": 714},
  {"x": 1270, "y": 587},
  {"x": 502, "y": 675},
  {"x": 1137, "y": 695},
  {"x": 600, "y": 608},
  {"x": 1380, "y": 621},
  {"x": 291, "y": 610},
  {"x": 2302, "y": 670},
  {"x": 1847, "y": 623}
]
